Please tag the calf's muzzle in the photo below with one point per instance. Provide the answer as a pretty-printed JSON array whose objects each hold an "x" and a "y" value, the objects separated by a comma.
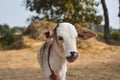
[{"x": 73, "y": 57}]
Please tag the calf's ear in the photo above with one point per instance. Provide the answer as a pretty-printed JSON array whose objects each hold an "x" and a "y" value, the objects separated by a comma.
[
  {"x": 84, "y": 33},
  {"x": 46, "y": 35}
]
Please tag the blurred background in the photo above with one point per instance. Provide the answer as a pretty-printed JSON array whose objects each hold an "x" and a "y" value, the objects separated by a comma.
[{"x": 23, "y": 21}]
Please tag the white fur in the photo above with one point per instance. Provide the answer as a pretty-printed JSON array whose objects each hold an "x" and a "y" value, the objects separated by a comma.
[
  {"x": 58, "y": 56},
  {"x": 69, "y": 34}
]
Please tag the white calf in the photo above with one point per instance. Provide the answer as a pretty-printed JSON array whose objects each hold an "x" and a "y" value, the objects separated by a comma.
[{"x": 59, "y": 46}]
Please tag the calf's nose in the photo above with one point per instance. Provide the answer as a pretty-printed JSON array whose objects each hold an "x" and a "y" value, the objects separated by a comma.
[{"x": 74, "y": 54}]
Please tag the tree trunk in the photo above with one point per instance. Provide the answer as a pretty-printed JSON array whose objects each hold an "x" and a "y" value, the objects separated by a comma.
[
  {"x": 119, "y": 9},
  {"x": 106, "y": 26}
]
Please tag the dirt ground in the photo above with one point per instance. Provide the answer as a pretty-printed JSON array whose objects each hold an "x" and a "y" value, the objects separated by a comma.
[{"x": 93, "y": 64}]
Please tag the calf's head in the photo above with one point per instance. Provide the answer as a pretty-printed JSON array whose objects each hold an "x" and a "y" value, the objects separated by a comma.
[{"x": 65, "y": 36}]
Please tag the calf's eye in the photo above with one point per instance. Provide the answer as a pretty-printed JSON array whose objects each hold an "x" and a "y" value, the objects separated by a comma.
[{"x": 60, "y": 38}]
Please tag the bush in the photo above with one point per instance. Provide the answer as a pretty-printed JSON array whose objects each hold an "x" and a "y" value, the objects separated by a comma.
[
  {"x": 115, "y": 35},
  {"x": 100, "y": 34},
  {"x": 8, "y": 34},
  {"x": 8, "y": 39}
]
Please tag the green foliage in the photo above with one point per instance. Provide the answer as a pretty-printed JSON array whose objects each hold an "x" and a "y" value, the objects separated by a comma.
[
  {"x": 8, "y": 39},
  {"x": 18, "y": 29},
  {"x": 100, "y": 34},
  {"x": 4, "y": 29},
  {"x": 74, "y": 11},
  {"x": 7, "y": 35},
  {"x": 115, "y": 35}
]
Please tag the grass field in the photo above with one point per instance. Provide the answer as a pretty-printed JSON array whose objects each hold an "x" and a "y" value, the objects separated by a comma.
[{"x": 98, "y": 64}]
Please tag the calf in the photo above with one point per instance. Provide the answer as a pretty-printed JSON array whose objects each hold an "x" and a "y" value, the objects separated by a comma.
[{"x": 60, "y": 45}]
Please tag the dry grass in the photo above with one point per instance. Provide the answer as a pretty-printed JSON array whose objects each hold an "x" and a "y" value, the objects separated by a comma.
[
  {"x": 19, "y": 65},
  {"x": 36, "y": 28},
  {"x": 98, "y": 64},
  {"x": 104, "y": 66},
  {"x": 97, "y": 61}
]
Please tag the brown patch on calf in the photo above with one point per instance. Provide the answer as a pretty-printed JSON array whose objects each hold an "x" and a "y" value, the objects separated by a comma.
[
  {"x": 42, "y": 51},
  {"x": 55, "y": 39},
  {"x": 55, "y": 34}
]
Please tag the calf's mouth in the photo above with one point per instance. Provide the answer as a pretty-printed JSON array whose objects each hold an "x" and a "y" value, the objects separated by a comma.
[{"x": 72, "y": 58}]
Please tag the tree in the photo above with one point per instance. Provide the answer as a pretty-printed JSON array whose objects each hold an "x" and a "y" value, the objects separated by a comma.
[
  {"x": 74, "y": 11},
  {"x": 18, "y": 29},
  {"x": 106, "y": 26},
  {"x": 119, "y": 9},
  {"x": 8, "y": 36},
  {"x": 4, "y": 29}
]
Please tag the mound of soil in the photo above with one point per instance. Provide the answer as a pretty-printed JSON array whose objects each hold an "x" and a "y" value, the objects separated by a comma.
[
  {"x": 92, "y": 43},
  {"x": 30, "y": 38},
  {"x": 24, "y": 42},
  {"x": 36, "y": 28}
]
